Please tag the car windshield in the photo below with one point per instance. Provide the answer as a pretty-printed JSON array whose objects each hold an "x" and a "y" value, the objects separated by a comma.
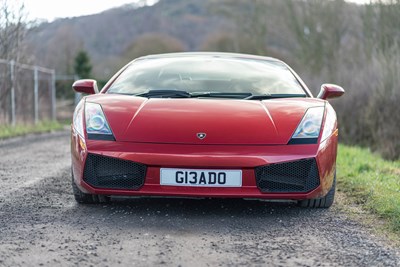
[{"x": 208, "y": 76}]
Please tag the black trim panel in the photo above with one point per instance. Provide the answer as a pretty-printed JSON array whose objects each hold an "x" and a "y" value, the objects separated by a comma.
[
  {"x": 302, "y": 141},
  {"x": 105, "y": 137}
]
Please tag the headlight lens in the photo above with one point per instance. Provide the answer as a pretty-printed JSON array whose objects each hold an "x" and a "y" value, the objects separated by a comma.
[
  {"x": 78, "y": 118},
  {"x": 309, "y": 128},
  {"x": 330, "y": 123},
  {"x": 96, "y": 123}
]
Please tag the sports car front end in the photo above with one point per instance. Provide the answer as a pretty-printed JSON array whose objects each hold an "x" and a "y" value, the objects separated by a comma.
[{"x": 223, "y": 145}]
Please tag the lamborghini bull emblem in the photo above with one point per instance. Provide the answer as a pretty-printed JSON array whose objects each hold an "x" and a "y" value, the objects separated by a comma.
[{"x": 201, "y": 136}]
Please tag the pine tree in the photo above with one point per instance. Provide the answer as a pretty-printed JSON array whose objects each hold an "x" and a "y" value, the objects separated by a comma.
[{"x": 82, "y": 65}]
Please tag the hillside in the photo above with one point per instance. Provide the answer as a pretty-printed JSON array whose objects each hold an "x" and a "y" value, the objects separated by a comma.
[
  {"x": 107, "y": 35},
  {"x": 229, "y": 25}
]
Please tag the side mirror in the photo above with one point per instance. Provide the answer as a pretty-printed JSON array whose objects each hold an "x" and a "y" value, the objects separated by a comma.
[
  {"x": 330, "y": 91},
  {"x": 86, "y": 86}
]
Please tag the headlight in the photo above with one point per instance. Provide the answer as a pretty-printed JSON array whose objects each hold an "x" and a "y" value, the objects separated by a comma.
[
  {"x": 330, "y": 125},
  {"x": 78, "y": 118},
  {"x": 97, "y": 126},
  {"x": 308, "y": 130}
]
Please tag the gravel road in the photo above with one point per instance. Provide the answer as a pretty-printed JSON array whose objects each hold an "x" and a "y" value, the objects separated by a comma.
[{"x": 41, "y": 225}]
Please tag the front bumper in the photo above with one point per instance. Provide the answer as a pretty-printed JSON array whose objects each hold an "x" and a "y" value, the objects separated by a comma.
[{"x": 249, "y": 159}]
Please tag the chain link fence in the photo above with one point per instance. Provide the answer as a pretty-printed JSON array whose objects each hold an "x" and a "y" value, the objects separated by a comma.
[{"x": 27, "y": 93}]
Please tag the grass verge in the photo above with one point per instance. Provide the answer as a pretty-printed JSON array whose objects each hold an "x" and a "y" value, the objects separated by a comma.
[
  {"x": 371, "y": 183},
  {"x": 7, "y": 131}
]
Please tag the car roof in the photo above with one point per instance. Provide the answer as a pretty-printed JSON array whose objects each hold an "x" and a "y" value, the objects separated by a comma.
[{"x": 209, "y": 54}]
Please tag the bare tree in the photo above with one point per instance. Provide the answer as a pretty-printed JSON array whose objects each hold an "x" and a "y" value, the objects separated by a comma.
[
  {"x": 12, "y": 32},
  {"x": 249, "y": 22},
  {"x": 220, "y": 41},
  {"x": 13, "y": 28},
  {"x": 62, "y": 48},
  {"x": 381, "y": 23},
  {"x": 318, "y": 26},
  {"x": 152, "y": 43}
]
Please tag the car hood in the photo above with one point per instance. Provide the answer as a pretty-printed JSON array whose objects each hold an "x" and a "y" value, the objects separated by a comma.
[{"x": 223, "y": 121}]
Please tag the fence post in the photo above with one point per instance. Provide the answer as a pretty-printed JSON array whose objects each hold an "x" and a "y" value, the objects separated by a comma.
[
  {"x": 36, "y": 94},
  {"x": 12, "y": 64},
  {"x": 53, "y": 95}
]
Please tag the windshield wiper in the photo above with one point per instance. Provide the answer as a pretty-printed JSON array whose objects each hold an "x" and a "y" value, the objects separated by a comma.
[
  {"x": 165, "y": 93},
  {"x": 221, "y": 94},
  {"x": 270, "y": 96},
  {"x": 173, "y": 93}
]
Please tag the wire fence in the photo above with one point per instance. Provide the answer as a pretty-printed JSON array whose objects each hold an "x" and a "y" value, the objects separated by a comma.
[{"x": 27, "y": 93}]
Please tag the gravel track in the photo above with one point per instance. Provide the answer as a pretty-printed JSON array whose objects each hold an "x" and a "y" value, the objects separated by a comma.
[{"x": 41, "y": 225}]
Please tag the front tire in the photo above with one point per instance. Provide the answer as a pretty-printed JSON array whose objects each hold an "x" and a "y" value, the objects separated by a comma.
[
  {"x": 84, "y": 198},
  {"x": 324, "y": 202}
]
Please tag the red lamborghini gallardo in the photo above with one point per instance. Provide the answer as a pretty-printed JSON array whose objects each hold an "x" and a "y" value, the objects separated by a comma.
[{"x": 214, "y": 125}]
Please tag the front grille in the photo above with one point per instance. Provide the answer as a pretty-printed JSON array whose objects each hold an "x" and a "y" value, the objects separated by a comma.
[
  {"x": 297, "y": 176},
  {"x": 113, "y": 173}
]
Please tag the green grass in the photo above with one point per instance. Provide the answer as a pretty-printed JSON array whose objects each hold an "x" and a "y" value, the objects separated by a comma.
[
  {"x": 7, "y": 131},
  {"x": 371, "y": 182}
]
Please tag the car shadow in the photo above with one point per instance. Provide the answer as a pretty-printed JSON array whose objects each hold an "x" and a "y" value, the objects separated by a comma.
[
  {"x": 202, "y": 207},
  {"x": 194, "y": 214}
]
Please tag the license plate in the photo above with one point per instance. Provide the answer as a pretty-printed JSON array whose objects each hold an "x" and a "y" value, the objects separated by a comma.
[{"x": 205, "y": 178}]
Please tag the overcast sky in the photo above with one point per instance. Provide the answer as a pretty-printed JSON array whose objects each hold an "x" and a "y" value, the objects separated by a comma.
[{"x": 51, "y": 9}]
